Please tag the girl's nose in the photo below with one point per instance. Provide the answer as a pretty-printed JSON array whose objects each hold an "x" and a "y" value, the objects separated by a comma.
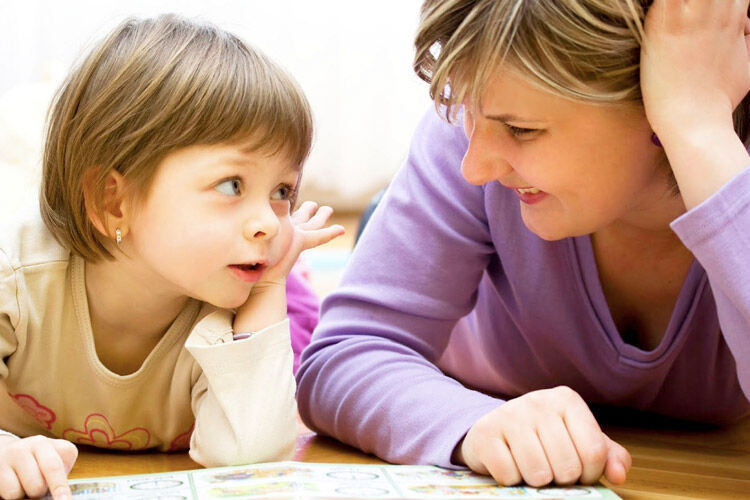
[{"x": 261, "y": 225}]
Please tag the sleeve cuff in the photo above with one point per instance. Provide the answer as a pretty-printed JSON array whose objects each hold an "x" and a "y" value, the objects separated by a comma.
[{"x": 715, "y": 213}]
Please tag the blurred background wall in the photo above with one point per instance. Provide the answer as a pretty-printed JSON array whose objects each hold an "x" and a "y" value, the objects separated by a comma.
[{"x": 352, "y": 58}]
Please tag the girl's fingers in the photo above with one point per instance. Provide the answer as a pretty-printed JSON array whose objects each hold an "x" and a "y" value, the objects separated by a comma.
[
  {"x": 319, "y": 219},
  {"x": 67, "y": 451},
  {"x": 53, "y": 470},
  {"x": 321, "y": 236},
  {"x": 29, "y": 475},
  {"x": 304, "y": 212},
  {"x": 529, "y": 455},
  {"x": 561, "y": 453},
  {"x": 499, "y": 463},
  {"x": 10, "y": 486}
]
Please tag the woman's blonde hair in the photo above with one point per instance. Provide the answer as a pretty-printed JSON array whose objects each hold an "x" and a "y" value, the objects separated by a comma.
[
  {"x": 153, "y": 86},
  {"x": 582, "y": 49}
]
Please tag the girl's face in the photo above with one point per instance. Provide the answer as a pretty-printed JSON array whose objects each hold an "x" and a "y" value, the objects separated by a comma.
[
  {"x": 575, "y": 167},
  {"x": 213, "y": 219}
]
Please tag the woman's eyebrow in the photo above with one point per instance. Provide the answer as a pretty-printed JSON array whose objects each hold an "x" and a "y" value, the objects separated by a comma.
[{"x": 507, "y": 117}]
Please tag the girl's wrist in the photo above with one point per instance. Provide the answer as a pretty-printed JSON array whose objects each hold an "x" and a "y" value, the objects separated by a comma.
[{"x": 265, "y": 306}]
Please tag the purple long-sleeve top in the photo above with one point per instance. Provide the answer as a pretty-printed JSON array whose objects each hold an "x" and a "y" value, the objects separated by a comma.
[{"x": 450, "y": 305}]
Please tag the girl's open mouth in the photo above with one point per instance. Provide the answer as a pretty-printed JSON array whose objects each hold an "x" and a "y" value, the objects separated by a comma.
[{"x": 248, "y": 272}]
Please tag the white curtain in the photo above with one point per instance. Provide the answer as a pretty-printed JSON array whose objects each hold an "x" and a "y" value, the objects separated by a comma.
[{"x": 352, "y": 58}]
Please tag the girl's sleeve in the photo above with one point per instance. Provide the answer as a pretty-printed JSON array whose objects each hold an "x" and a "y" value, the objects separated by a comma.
[
  {"x": 9, "y": 312},
  {"x": 302, "y": 310},
  {"x": 369, "y": 376},
  {"x": 243, "y": 401},
  {"x": 717, "y": 232}
]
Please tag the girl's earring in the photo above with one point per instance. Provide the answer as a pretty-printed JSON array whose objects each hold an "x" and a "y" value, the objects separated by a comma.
[
  {"x": 655, "y": 139},
  {"x": 118, "y": 236}
]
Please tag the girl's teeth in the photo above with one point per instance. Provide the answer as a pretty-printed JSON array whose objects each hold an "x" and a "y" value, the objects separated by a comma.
[{"x": 528, "y": 190}]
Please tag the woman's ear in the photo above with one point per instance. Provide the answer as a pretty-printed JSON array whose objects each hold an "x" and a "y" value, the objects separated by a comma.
[{"x": 108, "y": 209}]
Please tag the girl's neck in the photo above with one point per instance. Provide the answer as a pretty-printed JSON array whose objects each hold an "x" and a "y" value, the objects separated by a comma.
[{"x": 122, "y": 301}]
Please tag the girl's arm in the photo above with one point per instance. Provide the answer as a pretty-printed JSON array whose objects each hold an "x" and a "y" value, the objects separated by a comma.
[
  {"x": 33, "y": 465},
  {"x": 695, "y": 71},
  {"x": 243, "y": 401}
]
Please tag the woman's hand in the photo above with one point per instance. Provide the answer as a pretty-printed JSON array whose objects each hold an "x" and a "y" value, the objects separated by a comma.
[
  {"x": 695, "y": 67},
  {"x": 266, "y": 304},
  {"x": 34, "y": 465},
  {"x": 695, "y": 70},
  {"x": 541, "y": 437}
]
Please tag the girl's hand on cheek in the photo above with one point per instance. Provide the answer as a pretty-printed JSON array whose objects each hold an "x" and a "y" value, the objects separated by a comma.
[
  {"x": 309, "y": 230},
  {"x": 266, "y": 303},
  {"x": 694, "y": 63},
  {"x": 542, "y": 437}
]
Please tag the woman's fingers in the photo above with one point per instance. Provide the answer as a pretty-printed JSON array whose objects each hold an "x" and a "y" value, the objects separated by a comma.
[
  {"x": 530, "y": 456},
  {"x": 589, "y": 440},
  {"x": 561, "y": 453},
  {"x": 499, "y": 463},
  {"x": 618, "y": 462}
]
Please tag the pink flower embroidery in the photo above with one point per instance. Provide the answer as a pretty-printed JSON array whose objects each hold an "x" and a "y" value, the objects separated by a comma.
[
  {"x": 181, "y": 442},
  {"x": 97, "y": 431},
  {"x": 41, "y": 413}
]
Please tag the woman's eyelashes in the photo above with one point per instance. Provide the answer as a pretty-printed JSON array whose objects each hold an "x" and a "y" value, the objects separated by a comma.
[{"x": 521, "y": 132}]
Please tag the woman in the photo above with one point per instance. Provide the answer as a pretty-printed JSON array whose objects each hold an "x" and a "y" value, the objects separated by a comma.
[{"x": 597, "y": 254}]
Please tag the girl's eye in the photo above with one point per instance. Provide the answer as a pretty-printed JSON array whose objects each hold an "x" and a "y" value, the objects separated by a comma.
[
  {"x": 229, "y": 187},
  {"x": 284, "y": 192},
  {"x": 521, "y": 132}
]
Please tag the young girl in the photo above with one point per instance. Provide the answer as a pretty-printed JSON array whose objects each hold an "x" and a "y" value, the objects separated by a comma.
[
  {"x": 597, "y": 254},
  {"x": 146, "y": 308}
]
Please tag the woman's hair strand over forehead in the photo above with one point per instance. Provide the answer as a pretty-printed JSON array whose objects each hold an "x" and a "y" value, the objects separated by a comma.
[{"x": 581, "y": 49}]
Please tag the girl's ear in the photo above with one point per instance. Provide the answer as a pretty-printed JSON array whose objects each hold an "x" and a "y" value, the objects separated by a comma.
[{"x": 108, "y": 211}]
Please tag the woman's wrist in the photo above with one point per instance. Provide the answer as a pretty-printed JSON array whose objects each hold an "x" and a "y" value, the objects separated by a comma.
[{"x": 704, "y": 158}]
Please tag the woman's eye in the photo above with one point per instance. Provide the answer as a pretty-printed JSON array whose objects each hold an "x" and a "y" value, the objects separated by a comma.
[
  {"x": 284, "y": 192},
  {"x": 229, "y": 187},
  {"x": 520, "y": 131}
]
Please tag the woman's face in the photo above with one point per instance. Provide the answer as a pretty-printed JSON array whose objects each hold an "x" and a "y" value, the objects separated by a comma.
[{"x": 576, "y": 167}]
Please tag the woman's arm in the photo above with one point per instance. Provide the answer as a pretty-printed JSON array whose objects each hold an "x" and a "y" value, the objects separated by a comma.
[
  {"x": 695, "y": 70},
  {"x": 369, "y": 376}
]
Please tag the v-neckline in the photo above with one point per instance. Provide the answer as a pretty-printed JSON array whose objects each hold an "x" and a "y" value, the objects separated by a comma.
[
  {"x": 176, "y": 331},
  {"x": 690, "y": 292}
]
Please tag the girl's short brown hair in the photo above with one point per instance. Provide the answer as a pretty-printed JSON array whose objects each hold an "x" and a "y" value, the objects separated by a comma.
[
  {"x": 153, "y": 86},
  {"x": 582, "y": 49}
]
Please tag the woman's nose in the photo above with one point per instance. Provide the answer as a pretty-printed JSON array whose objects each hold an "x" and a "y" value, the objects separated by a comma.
[{"x": 483, "y": 161}]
